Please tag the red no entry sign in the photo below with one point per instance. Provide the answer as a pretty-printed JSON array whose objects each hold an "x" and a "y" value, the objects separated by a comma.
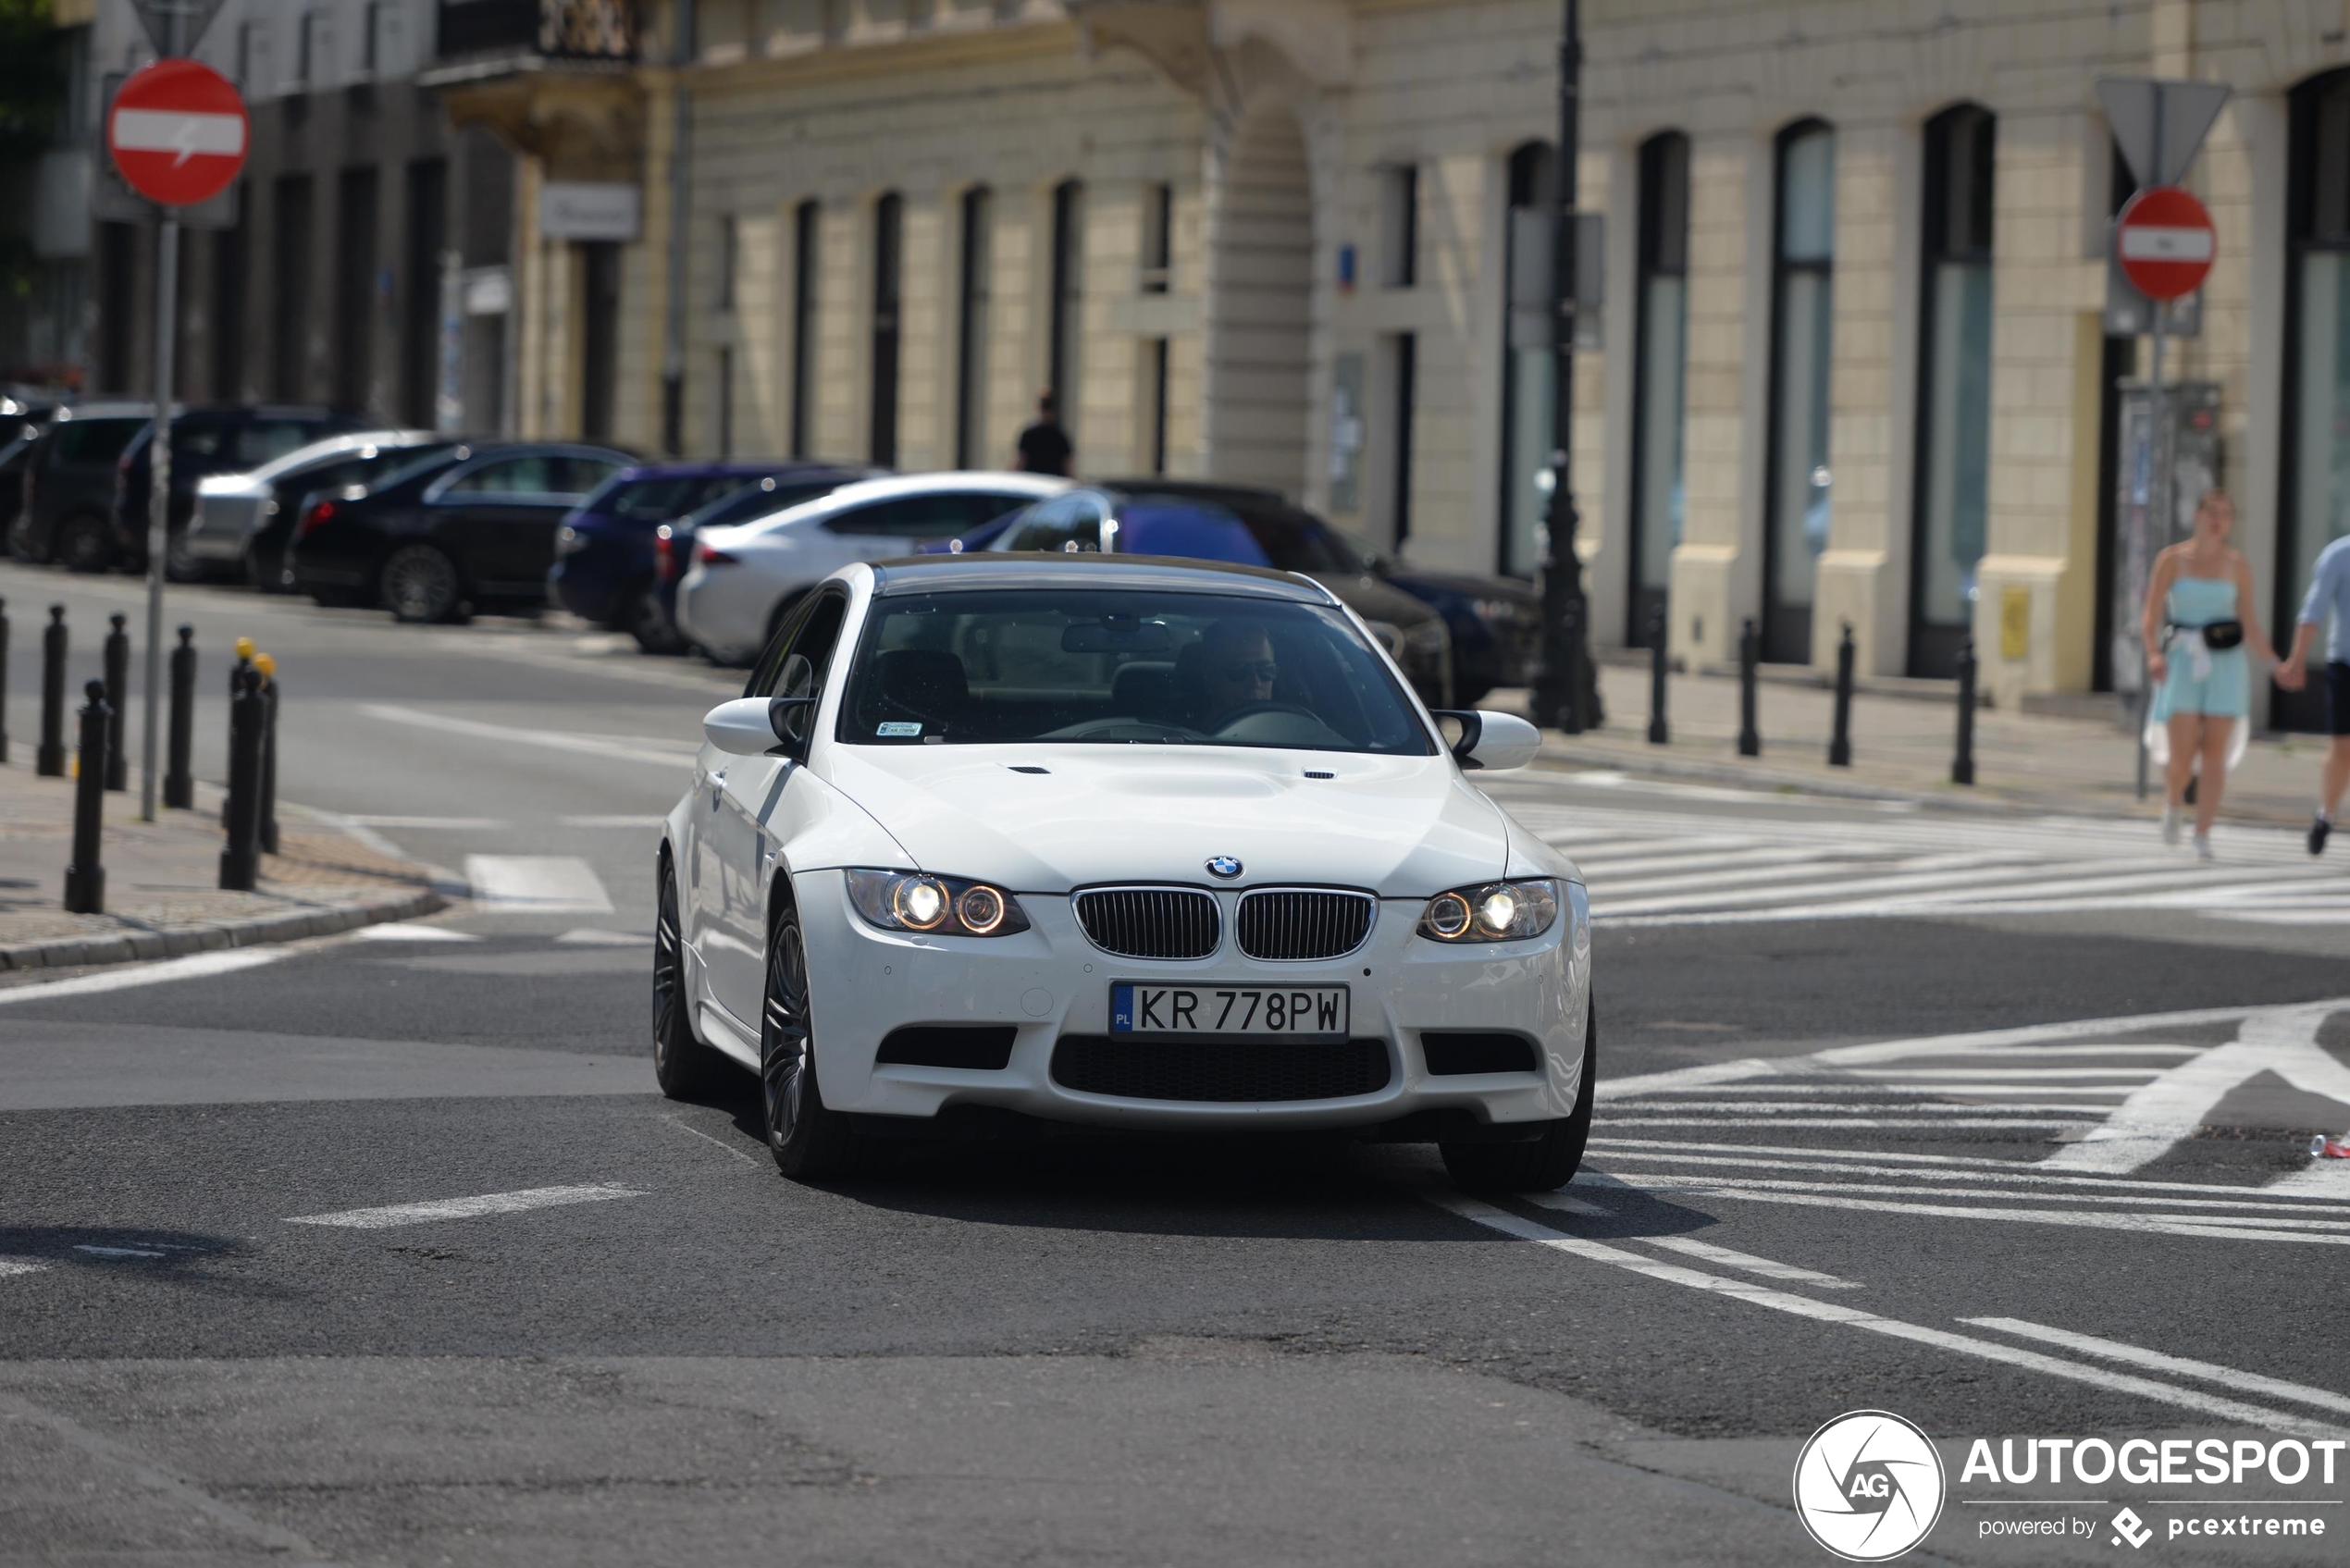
[
  {"x": 178, "y": 132},
  {"x": 2165, "y": 242}
]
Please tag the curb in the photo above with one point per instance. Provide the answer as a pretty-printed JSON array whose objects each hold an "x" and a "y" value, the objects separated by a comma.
[{"x": 323, "y": 919}]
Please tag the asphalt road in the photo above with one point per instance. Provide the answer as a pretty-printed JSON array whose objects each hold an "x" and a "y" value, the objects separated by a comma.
[{"x": 1997, "y": 1125}]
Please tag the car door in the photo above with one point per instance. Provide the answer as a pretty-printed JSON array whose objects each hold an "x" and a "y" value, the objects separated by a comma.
[
  {"x": 755, "y": 802},
  {"x": 489, "y": 516}
]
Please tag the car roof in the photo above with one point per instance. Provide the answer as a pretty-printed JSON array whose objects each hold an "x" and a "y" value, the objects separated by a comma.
[
  {"x": 107, "y": 408},
  {"x": 894, "y": 485},
  {"x": 748, "y": 468},
  {"x": 1036, "y": 569}
]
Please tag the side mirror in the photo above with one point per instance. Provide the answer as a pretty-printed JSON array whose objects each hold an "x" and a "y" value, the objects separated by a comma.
[
  {"x": 1482, "y": 739},
  {"x": 758, "y": 727}
]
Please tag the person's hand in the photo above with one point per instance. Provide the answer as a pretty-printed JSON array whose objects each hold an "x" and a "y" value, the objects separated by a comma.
[
  {"x": 2291, "y": 675},
  {"x": 2158, "y": 667}
]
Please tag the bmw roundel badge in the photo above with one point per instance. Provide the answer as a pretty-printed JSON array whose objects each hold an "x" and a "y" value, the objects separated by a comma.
[{"x": 1223, "y": 866}]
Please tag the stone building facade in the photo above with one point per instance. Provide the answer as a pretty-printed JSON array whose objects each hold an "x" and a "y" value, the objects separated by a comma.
[{"x": 1853, "y": 366}]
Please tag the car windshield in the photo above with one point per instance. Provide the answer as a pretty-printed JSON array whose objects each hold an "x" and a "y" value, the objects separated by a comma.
[
  {"x": 334, "y": 450},
  {"x": 1113, "y": 666},
  {"x": 432, "y": 462},
  {"x": 756, "y": 499}
]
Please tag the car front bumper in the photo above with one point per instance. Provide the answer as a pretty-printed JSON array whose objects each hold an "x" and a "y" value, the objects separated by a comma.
[{"x": 1051, "y": 983}]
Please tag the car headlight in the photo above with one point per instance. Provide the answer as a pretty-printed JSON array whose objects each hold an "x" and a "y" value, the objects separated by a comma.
[
  {"x": 1493, "y": 911},
  {"x": 569, "y": 540},
  {"x": 937, "y": 905}
]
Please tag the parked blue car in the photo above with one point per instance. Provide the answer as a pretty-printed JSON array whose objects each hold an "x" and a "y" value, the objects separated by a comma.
[
  {"x": 1495, "y": 622},
  {"x": 603, "y": 569},
  {"x": 672, "y": 542}
]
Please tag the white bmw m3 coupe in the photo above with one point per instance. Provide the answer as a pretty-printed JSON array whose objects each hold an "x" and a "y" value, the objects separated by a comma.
[{"x": 1119, "y": 841}]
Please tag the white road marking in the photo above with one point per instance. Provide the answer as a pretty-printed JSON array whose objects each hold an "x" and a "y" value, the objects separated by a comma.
[
  {"x": 2282, "y": 1041},
  {"x": 196, "y": 966},
  {"x": 2155, "y": 1361},
  {"x": 2231, "y": 1410},
  {"x": 1945, "y": 1167},
  {"x": 588, "y": 937},
  {"x": 401, "y": 931},
  {"x": 467, "y": 1208},
  {"x": 718, "y": 1143},
  {"x": 19, "y": 1265},
  {"x": 2251, "y": 1230},
  {"x": 673, "y": 755},
  {"x": 542, "y": 884},
  {"x": 1746, "y": 1262},
  {"x": 1613, "y": 1120},
  {"x": 117, "y": 1252},
  {"x": 2307, "y": 1216}
]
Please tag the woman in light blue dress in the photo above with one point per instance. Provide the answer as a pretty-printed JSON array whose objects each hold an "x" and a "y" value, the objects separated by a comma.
[{"x": 2203, "y": 691}]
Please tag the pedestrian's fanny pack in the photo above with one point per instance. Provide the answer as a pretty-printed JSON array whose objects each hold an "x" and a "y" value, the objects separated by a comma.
[{"x": 2222, "y": 634}]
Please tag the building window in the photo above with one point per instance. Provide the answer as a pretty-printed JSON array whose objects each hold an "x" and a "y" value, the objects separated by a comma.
[
  {"x": 971, "y": 322},
  {"x": 248, "y": 52},
  {"x": 599, "y": 339},
  {"x": 289, "y": 288},
  {"x": 1403, "y": 396},
  {"x": 1400, "y": 226},
  {"x": 1659, "y": 369},
  {"x": 355, "y": 208},
  {"x": 1154, "y": 391},
  {"x": 1529, "y": 374},
  {"x": 2316, "y": 488},
  {"x": 723, "y": 299},
  {"x": 426, "y": 236},
  {"x": 1069, "y": 299},
  {"x": 1802, "y": 317},
  {"x": 726, "y": 402},
  {"x": 890, "y": 234},
  {"x": 1954, "y": 388},
  {"x": 371, "y": 38},
  {"x": 307, "y": 61},
  {"x": 1159, "y": 239},
  {"x": 229, "y": 263},
  {"x": 805, "y": 262}
]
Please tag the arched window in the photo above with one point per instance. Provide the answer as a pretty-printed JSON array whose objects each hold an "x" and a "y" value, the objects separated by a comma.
[
  {"x": 1802, "y": 317},
  {"x": 1068, "y": 298},
  {"x": 890, "y": 235},
  {"x": 2316, "y": 489},
  {"x": 1529, "y": 375},
  {"x": 970, "y": 366},
  {"x": 1659, "y": 371},
  {"x": 1952, "y": 512}
]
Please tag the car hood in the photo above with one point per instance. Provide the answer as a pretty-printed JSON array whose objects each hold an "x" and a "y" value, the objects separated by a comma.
[{"x": 1402, "y": 826}]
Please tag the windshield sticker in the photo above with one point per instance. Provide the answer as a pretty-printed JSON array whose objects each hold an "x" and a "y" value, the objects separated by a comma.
[{"x": 893, "y": 729}]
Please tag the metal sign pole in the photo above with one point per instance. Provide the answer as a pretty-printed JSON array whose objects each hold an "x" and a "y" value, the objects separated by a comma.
[
  {"x": 2157, "y": 508},
  {"x": 158, "y": 498}
]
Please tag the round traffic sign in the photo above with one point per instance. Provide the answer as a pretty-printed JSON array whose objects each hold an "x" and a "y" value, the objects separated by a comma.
[
  {"x": 178, "y": 132},
  {"x": 2164, "y": 241}
]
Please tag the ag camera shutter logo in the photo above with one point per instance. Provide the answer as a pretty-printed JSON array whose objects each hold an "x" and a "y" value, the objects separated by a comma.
[{"x": 1868, "y": 1486}]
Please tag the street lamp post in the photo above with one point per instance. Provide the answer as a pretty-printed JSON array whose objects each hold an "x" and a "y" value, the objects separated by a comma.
[{"x": 1566, "y": 690}]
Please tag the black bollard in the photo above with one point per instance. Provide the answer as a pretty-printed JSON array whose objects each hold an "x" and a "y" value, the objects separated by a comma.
[
  {"x": 1750, "y": 656},
  {"x": 1962, "y": 765},
  {"x": 178, "y": 784},
  {"x": 85, "y": 877},
  {"x": 236, "y": 684},
  {"x": 240, "y": 856},
  {"x": 4, "y": 683},
  {"x": 1840, "y": 744},
  {"x": 118, "y": 656},
  {"x": 50, "y": 760},
  {"x": 268, "y": 753},
  {"x": 1658, "y": 734}
]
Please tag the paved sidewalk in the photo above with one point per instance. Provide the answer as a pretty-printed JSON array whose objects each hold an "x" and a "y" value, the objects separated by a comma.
[
  {"x": 162, "y": 893},
  {"x": 1904, "y": 747}
]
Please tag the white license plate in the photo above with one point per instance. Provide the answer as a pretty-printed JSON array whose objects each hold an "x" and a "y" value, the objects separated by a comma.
[{"x": 1315, "y": 1012}]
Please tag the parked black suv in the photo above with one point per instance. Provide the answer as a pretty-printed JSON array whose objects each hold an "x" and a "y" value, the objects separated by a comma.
[
  {"x": 69, "y": 480},
  {"x": 206, "y": 440}
]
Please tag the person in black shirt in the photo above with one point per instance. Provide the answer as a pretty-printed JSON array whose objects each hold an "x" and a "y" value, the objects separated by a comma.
[{"x": 1044, "y": 447}]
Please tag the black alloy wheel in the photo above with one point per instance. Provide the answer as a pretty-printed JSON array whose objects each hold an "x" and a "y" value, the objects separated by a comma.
[
  {"x": 419, "y": 584},
  {"x": 642, "y": 618},
  {"x": 1542, "y": 1163},
  {"x": 809, "y": 1139},
  {"x": 683, "y": 1066},
  {"x": 86, "y": 543}
]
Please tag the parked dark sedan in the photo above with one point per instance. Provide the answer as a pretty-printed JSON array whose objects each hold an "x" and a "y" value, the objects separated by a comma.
[
  {"x": 474, "y": 527},
  {"x": 604, "y": 567},
  {"x": 69, "y": 482},
  {"x": 230, "y": 440},
  {"x": 1494, "y": 623},
  {"x": 1251, "y": 527}
]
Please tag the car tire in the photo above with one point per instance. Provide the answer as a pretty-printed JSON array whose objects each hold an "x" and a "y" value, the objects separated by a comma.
[
  {"x": 86, "y": 543},
  {"x": 641, "y": 617},
  {"x": 811, "y": 1141},
  {"x": 181, "y": 565},
  {"x": 683, "y": 1066},
  {"x": 264, "y": 576},
  {"x": 1542, "y": 1163},
  {"x": 24, "y": 545},
  {"x": 419, "y": 584}
]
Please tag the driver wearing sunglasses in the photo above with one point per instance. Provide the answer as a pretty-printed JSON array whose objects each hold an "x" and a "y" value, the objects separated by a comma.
[{"x": 1240, "y": 670}]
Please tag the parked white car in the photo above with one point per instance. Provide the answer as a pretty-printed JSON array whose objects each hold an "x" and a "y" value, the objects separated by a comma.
[
  {"x": 744, "y": 577},
  {"x": 1122, "y": 842},
  {"x": 246, "y": 518}
]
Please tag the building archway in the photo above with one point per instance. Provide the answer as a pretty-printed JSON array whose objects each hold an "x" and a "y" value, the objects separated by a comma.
[{"x": 1260, "y": 288}]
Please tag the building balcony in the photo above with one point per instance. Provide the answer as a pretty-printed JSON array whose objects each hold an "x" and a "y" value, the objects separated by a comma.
[{"x": 474, "y": 31}]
